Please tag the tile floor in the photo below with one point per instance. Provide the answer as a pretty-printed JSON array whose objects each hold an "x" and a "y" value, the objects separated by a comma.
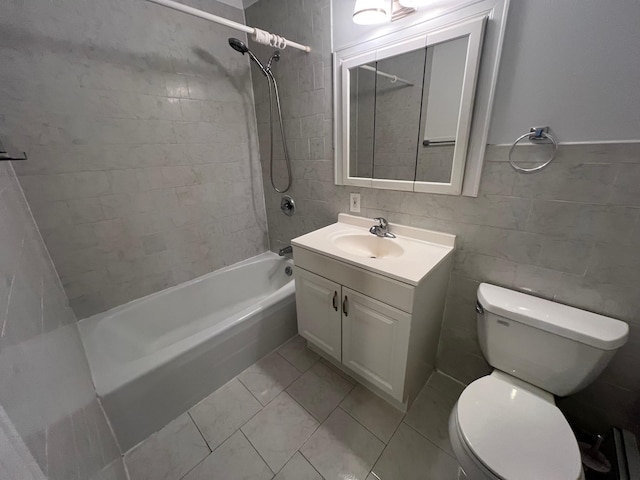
[{"x": 292, "y": 416}]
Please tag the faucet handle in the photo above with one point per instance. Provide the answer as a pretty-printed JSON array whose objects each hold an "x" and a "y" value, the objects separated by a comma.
[{"x": 383, "y": 221}]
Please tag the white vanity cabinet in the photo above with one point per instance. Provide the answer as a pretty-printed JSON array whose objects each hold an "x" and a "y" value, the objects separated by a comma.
[
  {"x": 375, "y": 341},
  {"x": 319, "y": 312},
  {"x": 377, "y": 321},
  {"x": 365, "y": 335}
]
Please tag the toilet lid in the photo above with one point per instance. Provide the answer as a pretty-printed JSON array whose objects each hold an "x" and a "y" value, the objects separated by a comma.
[{"x": 517, "y": 434}]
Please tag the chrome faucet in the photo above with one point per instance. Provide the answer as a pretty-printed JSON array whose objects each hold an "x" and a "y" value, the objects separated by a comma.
[
  {"x": 286, "y": 250},
  {"x": 382, "y": 229}
]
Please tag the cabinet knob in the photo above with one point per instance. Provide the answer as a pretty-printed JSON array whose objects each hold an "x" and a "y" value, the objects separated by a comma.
[
  {"x": 345, "y": 306},
  {"x": 334, "y": 301}
]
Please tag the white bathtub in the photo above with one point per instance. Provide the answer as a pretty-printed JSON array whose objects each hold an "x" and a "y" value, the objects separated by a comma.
[{"x": 154, "y": 358}]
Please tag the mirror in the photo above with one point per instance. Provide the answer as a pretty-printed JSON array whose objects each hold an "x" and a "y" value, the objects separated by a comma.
[
  {"x": 407, "y": 108},
  {"x": 443, "y": 78},
  {"x": 414, "y": 98}
]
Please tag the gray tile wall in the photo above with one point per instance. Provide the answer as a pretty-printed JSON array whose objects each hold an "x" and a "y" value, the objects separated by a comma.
[
  {"x": 140, "y": 127},
  {"x": 45, "y": 384},
  {"x": 569, "y": 233}
]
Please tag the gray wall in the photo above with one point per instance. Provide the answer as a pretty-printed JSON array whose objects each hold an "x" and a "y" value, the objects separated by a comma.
[
  {"x": 46, "y": 390},
  {"x": 549, "y": 73},
  {"x": 572, "y": 65},
  {"x": 568, "y": 233},
  {"x": 140, "y": 127}
]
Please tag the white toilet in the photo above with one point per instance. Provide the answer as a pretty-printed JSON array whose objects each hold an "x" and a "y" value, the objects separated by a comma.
[{"x": 506, "y": 425}]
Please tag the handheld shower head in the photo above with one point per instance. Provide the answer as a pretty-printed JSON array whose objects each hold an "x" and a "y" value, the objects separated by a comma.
[{"x": 238, "y": 46}]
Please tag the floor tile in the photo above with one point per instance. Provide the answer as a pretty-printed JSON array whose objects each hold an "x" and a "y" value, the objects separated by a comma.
[
  {"x": 279, "y": 430},
  {"x": 378, "y": 416},
  {"x": 224, "y": 411},
  {"x": 114, "y": 471},
  {"x": 169, "y": 453},
  {"x": 298, "y": 469},
  {"x": 342, "y": 448},
  {"x": 343, "y": 374},
  {"x": 410, "y": 456},
  {"x": 429, "y": 414},
  {"x": 268, "y": 377},
  {"x": 445, "y": 384},
  {"x": 235, "y": 459},
  {"x": 297, "y": 353},
  {"x": 320, "y": 390}
]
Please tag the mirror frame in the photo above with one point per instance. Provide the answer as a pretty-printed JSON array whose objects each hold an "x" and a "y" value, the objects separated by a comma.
[
  {"x": 473, "y": 30},
  {"x": 429, "y": 22}
]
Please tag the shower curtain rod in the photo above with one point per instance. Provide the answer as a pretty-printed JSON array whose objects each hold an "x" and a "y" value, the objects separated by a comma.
[
  {"x": 259, "y": 36},
  {"x": 394, "y": 78}
]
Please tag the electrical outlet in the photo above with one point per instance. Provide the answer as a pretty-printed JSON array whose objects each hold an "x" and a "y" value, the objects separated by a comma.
[{"x": 354, "y": 202}]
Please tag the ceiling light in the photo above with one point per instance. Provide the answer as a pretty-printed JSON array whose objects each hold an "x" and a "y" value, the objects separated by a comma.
[
  {"x": 370, "y": 12},
  {"x": 420, "y": 3},
  {"x": 398, "y": 11}
]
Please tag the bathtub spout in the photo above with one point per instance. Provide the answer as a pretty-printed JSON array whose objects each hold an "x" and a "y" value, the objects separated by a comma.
[{"x": 285, "y": 251}]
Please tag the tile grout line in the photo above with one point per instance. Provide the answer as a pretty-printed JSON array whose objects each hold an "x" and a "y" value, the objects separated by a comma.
[
  {"x": 195, "y": 466},
  {"x": 430, "y": 441},
  {"x": 274, "y": 351},
  {"x": 440, "y": 372},
  {"x": 211, "y": 451},
  {"x": 249, "y": 390},
  {"x": 287, "y": 360},
  {"x": 309, "y": 461},
  {"x": 368, "y": 429},
  {"x": 284, "y": 390},
  {"x": 386, "y": 444},
  {"x": 199, "y": 431},
  {"x": 11, "y": 285},
  {"x": 258, "y": 453},
  {"x": 205, "y": 442},
  {"x": 320, "y": 424}
]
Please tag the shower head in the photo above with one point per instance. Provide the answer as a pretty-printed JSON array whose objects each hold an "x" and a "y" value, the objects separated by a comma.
[{"x": 238, "y": 46}]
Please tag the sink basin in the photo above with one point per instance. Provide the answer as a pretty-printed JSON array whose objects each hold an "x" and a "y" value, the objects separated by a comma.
[
  {"x": 369, "y": 246},
  {"x": 407, "y": 258}
]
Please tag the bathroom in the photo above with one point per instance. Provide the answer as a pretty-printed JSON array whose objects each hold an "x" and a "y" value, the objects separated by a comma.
[{"x": 148, "y": 167}]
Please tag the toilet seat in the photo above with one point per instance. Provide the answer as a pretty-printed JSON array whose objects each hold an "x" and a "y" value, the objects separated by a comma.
[{"x": 515, "y": 433}]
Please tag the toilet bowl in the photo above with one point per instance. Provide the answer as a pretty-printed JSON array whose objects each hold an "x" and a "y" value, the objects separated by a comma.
[
  {"x": 502, "y": 429},
  {"x": 506, "y": 426}
]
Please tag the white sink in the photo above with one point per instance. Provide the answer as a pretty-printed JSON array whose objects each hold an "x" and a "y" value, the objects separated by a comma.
[
  {"x": 408, "y": 258},
  {"x": 369, "y": 246}
]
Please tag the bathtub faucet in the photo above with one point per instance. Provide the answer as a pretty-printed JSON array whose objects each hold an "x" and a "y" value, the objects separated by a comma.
[{"x": 285, "y": 251}]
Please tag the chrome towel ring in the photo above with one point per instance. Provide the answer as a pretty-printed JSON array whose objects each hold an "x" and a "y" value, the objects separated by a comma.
[{"x": 535, "y": 134}]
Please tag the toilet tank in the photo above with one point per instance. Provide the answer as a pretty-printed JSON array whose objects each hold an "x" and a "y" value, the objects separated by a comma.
[{"x": 555, "y": 347}]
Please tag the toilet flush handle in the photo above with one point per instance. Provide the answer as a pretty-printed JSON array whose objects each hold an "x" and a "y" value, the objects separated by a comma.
[{"x": 479, "y": 308}]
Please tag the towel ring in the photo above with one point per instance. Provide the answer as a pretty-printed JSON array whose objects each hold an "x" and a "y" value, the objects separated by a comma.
[{"x": 535, "y": 134}]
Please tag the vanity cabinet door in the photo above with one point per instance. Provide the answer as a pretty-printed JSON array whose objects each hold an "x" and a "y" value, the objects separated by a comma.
[
  {"x": 375, "y": 341},
  {"x": 319, "y": 315}
]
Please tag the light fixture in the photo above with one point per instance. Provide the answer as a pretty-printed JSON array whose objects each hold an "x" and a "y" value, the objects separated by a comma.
[
  {"x": 371, "y": 12},
  {"x": 420, "y": 3},
  {"x": 399, "y": 11}
]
